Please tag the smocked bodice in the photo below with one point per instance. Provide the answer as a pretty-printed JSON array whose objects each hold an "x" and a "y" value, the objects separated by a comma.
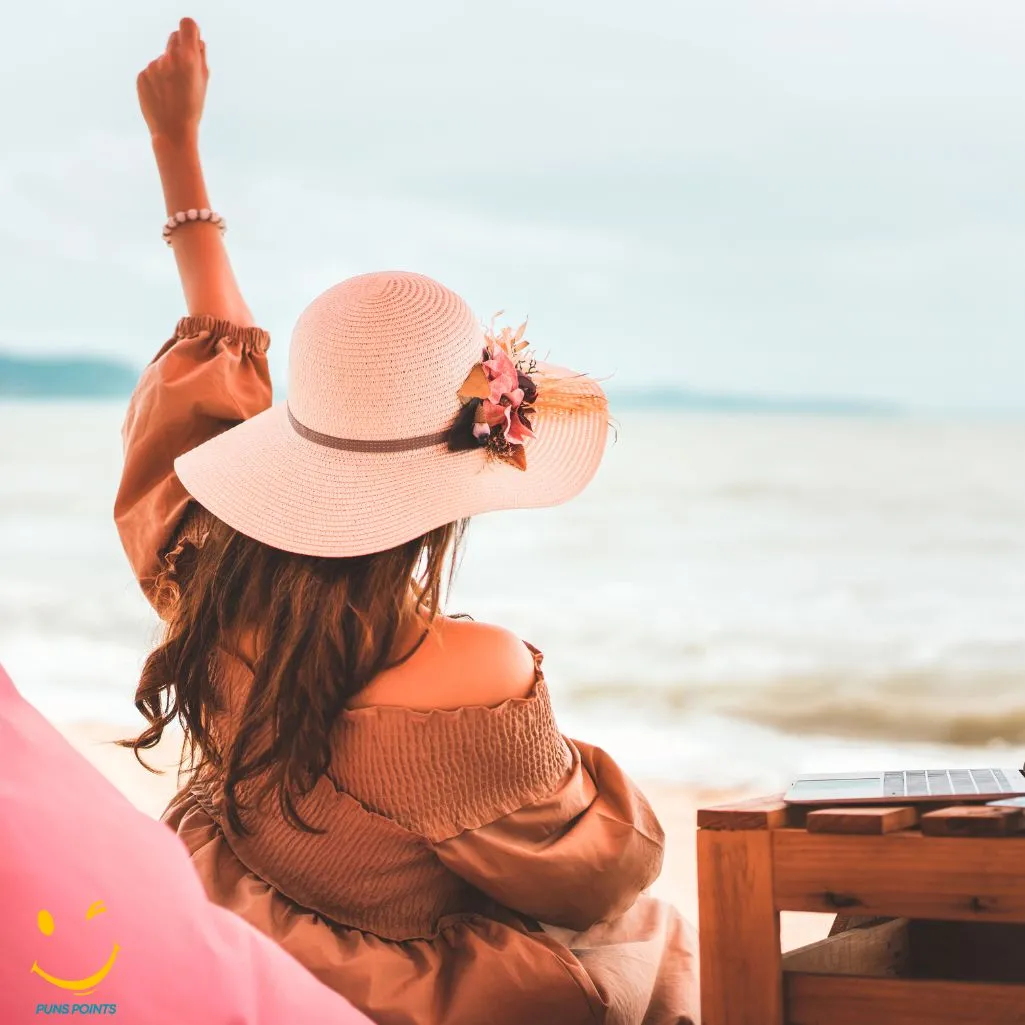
[{"x": 400, "y": 781}]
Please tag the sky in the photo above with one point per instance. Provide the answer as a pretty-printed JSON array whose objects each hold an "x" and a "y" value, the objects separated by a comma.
[{"x": 772, "y": 197}]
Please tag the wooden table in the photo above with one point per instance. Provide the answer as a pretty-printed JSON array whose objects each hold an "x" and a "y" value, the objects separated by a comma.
[{"x": 931, "y": 904}]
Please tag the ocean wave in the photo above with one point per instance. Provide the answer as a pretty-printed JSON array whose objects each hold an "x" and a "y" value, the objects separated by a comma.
[{"x": 959, "y": 708}]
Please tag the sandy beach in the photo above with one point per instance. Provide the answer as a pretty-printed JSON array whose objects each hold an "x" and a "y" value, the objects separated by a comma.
[{"x": 676, "y": 806}]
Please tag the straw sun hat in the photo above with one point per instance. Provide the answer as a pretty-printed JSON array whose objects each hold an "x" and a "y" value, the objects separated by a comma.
[{"x": 403, "y": 414}]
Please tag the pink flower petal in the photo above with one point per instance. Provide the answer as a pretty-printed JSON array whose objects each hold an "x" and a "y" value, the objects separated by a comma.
[
  {"x": 497, "y": 414},
  {"x": 502, "y": 375},
  {"x": 517, "y": 432}
]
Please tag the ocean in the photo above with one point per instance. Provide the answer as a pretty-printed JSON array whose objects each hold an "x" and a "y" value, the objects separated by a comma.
[{"x": 736, "y": 598}]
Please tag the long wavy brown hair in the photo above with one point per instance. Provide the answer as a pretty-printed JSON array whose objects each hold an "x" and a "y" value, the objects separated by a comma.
[{"x": 321, "y": 630}]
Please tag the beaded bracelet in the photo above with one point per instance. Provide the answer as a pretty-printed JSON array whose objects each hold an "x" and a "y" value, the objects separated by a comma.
[{"x": 192, "y": 215}]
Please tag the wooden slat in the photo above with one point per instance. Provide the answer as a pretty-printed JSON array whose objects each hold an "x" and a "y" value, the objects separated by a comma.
[
  {"x": 978, "y": 820},
  {"x": 866, "y": 821},
  {"x": 858, "y": 1000},
  {"x": 760, "y": 813},
  {"x": 883, "y": 949},
  {"x": 903, "y": 874},
  {"x": 844, "y": 922},
  {"x": 741, "y": 982}
]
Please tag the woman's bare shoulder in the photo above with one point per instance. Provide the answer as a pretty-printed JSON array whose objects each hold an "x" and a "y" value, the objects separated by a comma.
[
  {"x": 476, "y": 650},
  {"x": 461, "y": 662}
]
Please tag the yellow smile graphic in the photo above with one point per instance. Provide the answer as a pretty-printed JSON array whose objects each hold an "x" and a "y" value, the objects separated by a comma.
[{"x": 83, "y": 986}]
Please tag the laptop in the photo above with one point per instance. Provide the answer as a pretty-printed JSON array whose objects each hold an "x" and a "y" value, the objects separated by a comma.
[{"x": 918, "y": 785}]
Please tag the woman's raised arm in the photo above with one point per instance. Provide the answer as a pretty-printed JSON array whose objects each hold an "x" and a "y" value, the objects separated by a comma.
[
  {"x": 212, "y": 372},
  {"x": 172, "y": 90}
]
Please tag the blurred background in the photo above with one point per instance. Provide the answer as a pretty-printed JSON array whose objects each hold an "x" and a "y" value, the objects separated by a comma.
[{"x": 789, "y": 235}]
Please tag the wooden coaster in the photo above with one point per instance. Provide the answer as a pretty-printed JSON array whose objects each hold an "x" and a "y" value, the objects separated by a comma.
[
  {"x": 864, "y": 821},
  {"x": 972, "y": 820}
]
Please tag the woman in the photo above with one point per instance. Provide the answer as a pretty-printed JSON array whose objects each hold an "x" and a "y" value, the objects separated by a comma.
[{"x": 379, "y": 787}]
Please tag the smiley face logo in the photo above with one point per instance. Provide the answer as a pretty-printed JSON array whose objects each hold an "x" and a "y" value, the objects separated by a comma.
[{"x": 46, "y": 926}]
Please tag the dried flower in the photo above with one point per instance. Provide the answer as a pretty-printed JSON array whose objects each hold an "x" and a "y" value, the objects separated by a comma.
[
  {"x": 519, "y": 429},
  {"x": 498, "y": 394},
  {"x": 503, "y": 377}
]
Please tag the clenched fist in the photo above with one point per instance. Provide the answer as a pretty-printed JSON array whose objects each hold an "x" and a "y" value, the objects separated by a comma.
[{"x": 172, "y": 88}]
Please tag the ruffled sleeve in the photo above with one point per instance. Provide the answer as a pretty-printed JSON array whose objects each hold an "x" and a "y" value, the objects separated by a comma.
[
  {"x": 580, "y": 855},
  {"x": 210, "y": 375}
]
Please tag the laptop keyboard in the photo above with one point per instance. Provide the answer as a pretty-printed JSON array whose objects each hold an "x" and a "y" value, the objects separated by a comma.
[{"x": 941, "y": 782}]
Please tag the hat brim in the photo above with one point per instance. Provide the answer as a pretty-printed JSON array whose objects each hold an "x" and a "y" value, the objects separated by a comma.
[{"x": 267, "y": 482}]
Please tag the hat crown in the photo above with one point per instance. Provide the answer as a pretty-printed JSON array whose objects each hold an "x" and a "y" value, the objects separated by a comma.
[{"x": 381, "y": 357}]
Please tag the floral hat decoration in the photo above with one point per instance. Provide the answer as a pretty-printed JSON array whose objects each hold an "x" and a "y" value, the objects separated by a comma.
[{"x": 500, "y": 396}]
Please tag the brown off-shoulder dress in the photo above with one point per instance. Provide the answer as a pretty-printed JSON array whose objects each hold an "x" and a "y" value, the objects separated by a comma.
[{"x": 475, "y": 865}]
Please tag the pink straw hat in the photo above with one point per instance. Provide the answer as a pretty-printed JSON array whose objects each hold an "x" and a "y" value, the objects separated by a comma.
[{"x": 403, "y": 414}]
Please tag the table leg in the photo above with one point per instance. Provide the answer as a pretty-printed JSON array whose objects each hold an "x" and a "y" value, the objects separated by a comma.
[{"x": 741, "y": 975}]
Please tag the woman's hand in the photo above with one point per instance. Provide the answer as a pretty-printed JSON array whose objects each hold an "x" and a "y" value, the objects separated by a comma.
[
  {"x": 171, "y": 93},
  {"x": 172, "y": 88}
]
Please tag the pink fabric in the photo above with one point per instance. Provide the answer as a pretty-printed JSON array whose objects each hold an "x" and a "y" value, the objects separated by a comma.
[{"x": 159, "y": 951}]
